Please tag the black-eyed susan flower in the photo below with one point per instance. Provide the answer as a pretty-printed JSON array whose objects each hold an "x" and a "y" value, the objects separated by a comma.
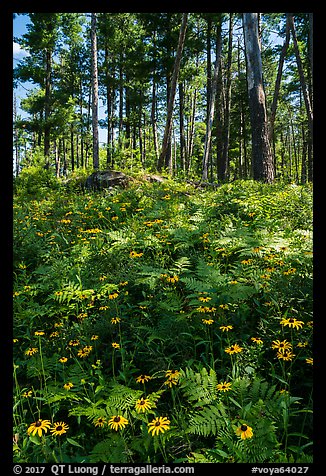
[
  {"x": 31, "y": 351},
  {"x": 74, "y": 342},
  {"x": 113, "y": 295},
  {"x": 208, "y": 322},
  {"x": 142, "y": 405},
  {"x": 85, "y": 351},
  {"x": 94, "y": 337},
  {"x": 172, "y": 374},
  {"x": 134, "y": 254},
  {"x": 117, "y": 422},
  {"x": 204, "y": 298},
  {"x": 310, "y": 361},
  {"x": 59, "y": 428},
  {"x": 285, "y": 355},
  {"x": 54, "y": 334},
  {"x": 256, "y": 340},
  {"x": 100, "y": 421},
  {"x": 170, "y": 382},
  {"x": 27, "y": 394},
  {"x": 68, "y": 385},
  {"x": 224, "y": 386},
  {"x": 115, "y": 345},
  {"x": 39, "y": 333},
  {"x": 38, "y": 427},
  {"x": 302, "y": 344},
  {"x": 292, "y": 323},
  {"x": 234, "y": 349},
  {"x": 244, "y": 431},
  {"x": 226, "y": 328},
  {"x": 63, "y": 360},
  {"x": 281, "y": 346},
  {"x": 143, "y": 378},
  {"x": 158, "y": 425},
  {"x": 115, "y": 320}
]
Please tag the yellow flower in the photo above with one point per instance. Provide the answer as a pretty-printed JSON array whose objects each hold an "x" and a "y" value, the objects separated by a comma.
[
  {"x": 310, "y": 361},
  {"x": 159, "y": 424},
  {"x": 99, "y": 422},
  {"x": 85, "y": 351},
  {"x": 142, "y": 405},
  {"x": 224, "y": 386},
  {"x": 244, "y": 431},
  {"x": 115, "y": 345},
  {"x": 38, "y": 427},
  {"x": 134, "y": 254},
  {"x": 285, "y": 355},
  {"x": 292, "y": 323},
  {"x": 74, "y": 342},
  {"x": 39, "y": 333},
  {"x": 63, "y": 360},
  {"x": 31, "y": 351},
  {"x": 94, "y": 337},
  {"x": 233, "y": 349},
  {"x": 27, "y": 394},
  {"x": 117, "y": 422},
  {"x": 68, "y": 386},
  {"x": 226, "y": 328},
  {"x": 113, "y": 295},
  {"x": 115, "y": 320},
  {"x": 204, "y": 298},
  {"x": 282, "y": 346},
  {"x": 143, "y": 378},
  {"x": 59, "y": 428},
  {"x": 208, "y": 321},
  {"x": 257, "y": 340}
]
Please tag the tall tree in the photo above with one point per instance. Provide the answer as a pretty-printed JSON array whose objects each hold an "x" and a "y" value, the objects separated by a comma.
[
  {"x": 176, "y": 69},
  {"x": 211, "y": 107},
  {"x": 94, "y": 93},
  {"x": 278, "y": 79},
  {"x": 262, "y": 159}
]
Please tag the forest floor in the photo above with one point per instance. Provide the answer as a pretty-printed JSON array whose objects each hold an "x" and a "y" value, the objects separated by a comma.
[{"x": 162, "y": 323}]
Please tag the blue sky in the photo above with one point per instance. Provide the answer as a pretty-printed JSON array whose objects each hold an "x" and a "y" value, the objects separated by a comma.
[{"x": 19, "y": 29}]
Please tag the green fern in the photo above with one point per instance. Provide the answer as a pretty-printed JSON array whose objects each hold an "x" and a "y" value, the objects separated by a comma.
[
  {"x": 208, "y": 421},
  {"x": 111, "y": 450},
  {"x": 199, "y": 388}
]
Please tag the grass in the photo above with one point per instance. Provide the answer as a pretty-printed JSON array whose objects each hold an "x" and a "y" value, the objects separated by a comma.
[{"x": 141, "y": 304}]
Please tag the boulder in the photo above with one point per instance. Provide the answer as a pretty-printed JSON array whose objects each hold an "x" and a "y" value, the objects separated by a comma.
[{"x": 107, "y": 179}]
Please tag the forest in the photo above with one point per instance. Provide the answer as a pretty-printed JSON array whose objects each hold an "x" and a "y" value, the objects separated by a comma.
[{"x": 162, "y": 238}]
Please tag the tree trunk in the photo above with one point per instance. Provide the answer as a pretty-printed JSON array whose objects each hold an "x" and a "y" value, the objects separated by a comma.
[
  {"x": 47, "y": 106},
  {"x": 262, "y": 158},
  {"x": 224, "y": 166},
  {"x": 176, "y": 69},
  {"x": 94, "y": 94},
  {"x": 212, "y": 105},
  {"x": 278, "y": 80},
  {"x": 182, "y": 128},
  {"x": 301, "y": 74}
]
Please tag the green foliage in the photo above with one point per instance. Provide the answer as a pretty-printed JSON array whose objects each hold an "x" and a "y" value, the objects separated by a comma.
[{"x": 160, "y": 293}]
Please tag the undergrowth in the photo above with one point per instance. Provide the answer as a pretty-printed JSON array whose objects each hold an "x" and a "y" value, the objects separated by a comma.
[{"x": 160, "y": 323}]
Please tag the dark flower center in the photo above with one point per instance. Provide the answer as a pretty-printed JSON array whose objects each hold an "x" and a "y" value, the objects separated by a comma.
[
  {"x": 158, "y": 423},
  {"x": 244, "y": 427},
  {"x": 117, "y": 419},
  {"x": 59, "y": 428},
  {"x": 291, "y": 319},
  {"x": 38, "y": 423}
]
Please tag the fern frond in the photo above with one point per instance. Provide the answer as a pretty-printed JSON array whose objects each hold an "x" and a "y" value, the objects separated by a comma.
[
  {"x": 199, "y": 388},
  {"x": 111, "y": 450},
  {"x": 208, "y": 421}
]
